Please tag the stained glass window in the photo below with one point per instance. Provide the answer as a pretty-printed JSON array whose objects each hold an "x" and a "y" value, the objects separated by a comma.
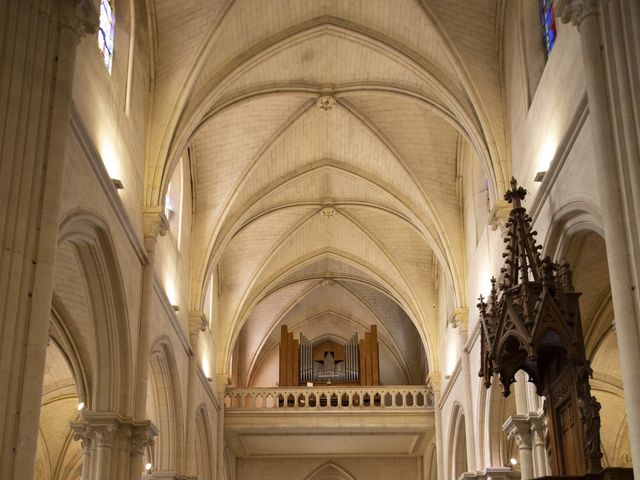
[
  {"x": 106, "y": 32},
  {"x": 548, "y": 20}
]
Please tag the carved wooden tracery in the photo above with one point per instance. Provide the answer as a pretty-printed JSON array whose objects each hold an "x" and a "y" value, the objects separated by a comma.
[{"x": 531, "y": 321}]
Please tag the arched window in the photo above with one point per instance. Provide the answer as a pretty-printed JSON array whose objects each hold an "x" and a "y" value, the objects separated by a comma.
[
  {"x": 548, "y": 20},
  {"x": 173, "y": 203},
  {"x": 106, "y": 32}
]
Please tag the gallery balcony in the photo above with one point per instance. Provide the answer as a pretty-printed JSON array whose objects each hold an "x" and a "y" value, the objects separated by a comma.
[{"x": 329, "y": 420}]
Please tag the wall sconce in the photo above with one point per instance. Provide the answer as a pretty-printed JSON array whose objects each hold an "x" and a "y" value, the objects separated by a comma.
[
  {"x": 117, "y": 183},
  {"x": 539, "y": 177},
  {"x": 176, "y": 308}
]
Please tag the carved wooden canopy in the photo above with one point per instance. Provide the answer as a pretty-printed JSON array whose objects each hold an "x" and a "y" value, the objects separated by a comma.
[
  {"x": 531, "y": 321},
  {"x": 532, "y": 317}
]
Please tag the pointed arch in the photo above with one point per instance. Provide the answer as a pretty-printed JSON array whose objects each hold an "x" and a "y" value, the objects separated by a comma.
[
  {"x": 205, "y": 453},
  {"x": 458, "y": 454},
  {"x": 329, "y": 471},
  {"x": 165, "y": 389},
  {"x": 89, "y": 239}
]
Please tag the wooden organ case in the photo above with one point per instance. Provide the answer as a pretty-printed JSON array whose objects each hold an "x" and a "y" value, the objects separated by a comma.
[{"x": 329, "y": 362}]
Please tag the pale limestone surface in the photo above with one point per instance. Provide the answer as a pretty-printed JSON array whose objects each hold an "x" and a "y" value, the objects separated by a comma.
[{"x": 342, "y": 165}]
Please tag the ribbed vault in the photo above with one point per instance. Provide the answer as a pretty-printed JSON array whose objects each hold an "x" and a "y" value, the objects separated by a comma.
[{"x": 325, "y": 142}]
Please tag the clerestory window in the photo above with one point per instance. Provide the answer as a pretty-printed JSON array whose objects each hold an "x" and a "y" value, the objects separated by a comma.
[
  {"x": 106, "y": 31},
  {"x": 548, "y": 21}
]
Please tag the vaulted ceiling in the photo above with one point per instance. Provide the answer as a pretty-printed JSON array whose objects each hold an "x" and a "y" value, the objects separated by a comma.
[{"x": 325, "y": 137}]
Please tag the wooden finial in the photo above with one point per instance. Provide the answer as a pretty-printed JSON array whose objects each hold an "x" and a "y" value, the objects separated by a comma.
[{"x": 516, "y": 194}]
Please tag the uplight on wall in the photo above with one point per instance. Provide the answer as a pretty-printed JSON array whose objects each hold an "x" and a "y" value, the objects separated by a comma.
[
  {"x": 453, "y": 351},
  {"x": 170, "y": 289},
  {"x": 546, "y": 155},
  {"x": 110, "y": 158},
  {"x": 81, "y": 406},
  {"x": 539, "y": 177},
  {"x": 148, "y": 467},
  {"x": 204, "y": 361},
  {"x": 513, "y": 461}
]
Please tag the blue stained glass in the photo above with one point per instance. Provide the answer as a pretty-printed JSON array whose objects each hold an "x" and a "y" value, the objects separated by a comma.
[
  {"x": 106, "y": 32},
  {"x": 548, "y": 21}
]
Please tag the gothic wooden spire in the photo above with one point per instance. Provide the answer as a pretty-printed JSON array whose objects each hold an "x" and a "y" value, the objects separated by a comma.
[{"x": 531, "y": 322}]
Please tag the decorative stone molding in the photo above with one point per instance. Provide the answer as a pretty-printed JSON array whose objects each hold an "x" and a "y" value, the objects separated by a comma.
[
  {"x": 327, "y": 283},
  {"x": 518, "y": 427},
  {"x": 326, "y": 398},
  {"x": 78, "y": 15},
  {"x": 499, "y": 215},
  {"x": 107, "y": 430},
  {"x": 433, "y": 381},
  {"x": 460, "y": 318},
  {"x": 326, "y": 103},
  {"x": 327, "y": 212},
  {"x": 197, "y": 322},
  {"x": 155, "y": 222},
  {"x": 538, "y": 427},
  {"x": 575, "y": 11}
]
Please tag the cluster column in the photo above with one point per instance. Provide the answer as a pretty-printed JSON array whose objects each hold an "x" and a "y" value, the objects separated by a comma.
[
  {"x": 461, "y": 322},
  {"x": 434, "y": 381},
  {"x": 37, "y": 58},
  {"x": 197, "y": 324},
  {"x": 620, "y": 229},
  {"x": 222, "y": 383},
  {"x": 155, "y": 223}
]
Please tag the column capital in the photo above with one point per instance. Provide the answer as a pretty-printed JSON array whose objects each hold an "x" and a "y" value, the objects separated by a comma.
[
  {"x": 142, "y": 435},
  {"x": 575, "y": 11},
  {"x": 460, "y": 318},
  {"x": 78, "y": 15},
  {"x": 518, "y": 427},
  {"x": 105, "y": 428},
  {"x": 197, "y": 322},
  {"x": 155, "y": 222},
  {"x": 223, "y": 381},
  {"x": 433, "y": 381},
  {"x": 538, "y": 427}
]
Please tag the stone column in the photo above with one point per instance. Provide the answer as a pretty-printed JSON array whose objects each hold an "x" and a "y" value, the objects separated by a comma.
[
  {"x": 197, "y": 324},
  {"x": 155, "y": 223},
  {"x": 222, "y": 382},
  {"x": 142, "y": 436},
  {"x": 624, "y": 279},
  {"x": 434, "y": 381},
  {"x": 539, "y": 452},
  {"x": 519, "y": 428},
  {"x": 461, "y": 322},
  {"x": 37, "y": 58}
]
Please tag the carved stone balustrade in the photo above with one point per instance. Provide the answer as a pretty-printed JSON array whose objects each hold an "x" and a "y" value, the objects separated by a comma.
[{"x": 328, "y": 397}]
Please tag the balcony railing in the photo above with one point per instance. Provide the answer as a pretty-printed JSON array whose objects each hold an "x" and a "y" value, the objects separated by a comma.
[{"x": 330, "y": 398}]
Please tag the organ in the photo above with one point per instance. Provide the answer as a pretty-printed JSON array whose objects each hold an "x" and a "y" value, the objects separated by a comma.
[{"x": 328, "y": 361}]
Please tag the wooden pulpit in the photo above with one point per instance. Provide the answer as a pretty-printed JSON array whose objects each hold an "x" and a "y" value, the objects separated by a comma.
[{"x": 531, "y": 322}]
